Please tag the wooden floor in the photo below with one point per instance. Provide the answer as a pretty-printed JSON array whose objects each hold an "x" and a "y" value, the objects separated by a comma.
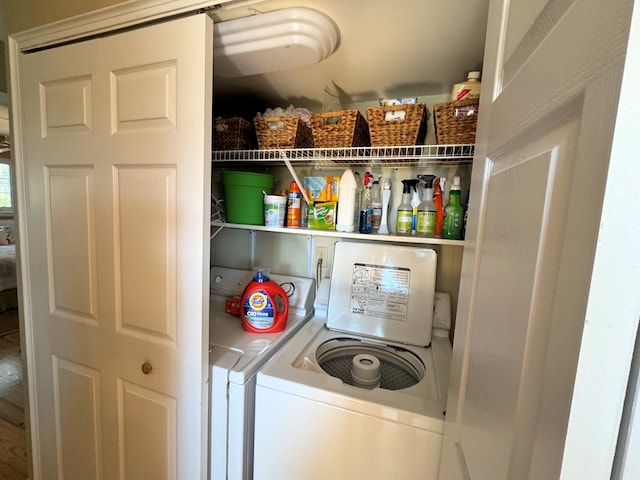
[{"x": 13, "y": 453}]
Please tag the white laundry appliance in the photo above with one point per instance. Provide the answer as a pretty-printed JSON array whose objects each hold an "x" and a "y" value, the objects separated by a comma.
[
  {"x": 235, "y": 356},
  {"x": 361, "y": 392}
]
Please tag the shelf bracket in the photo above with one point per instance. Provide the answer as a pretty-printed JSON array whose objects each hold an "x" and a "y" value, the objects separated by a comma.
[
  {"x": 252, "y": 248},
  {"x": 218, "y": 229},
  {"x": 311, "y": 245},
  {"x": 287, "y": 162}
]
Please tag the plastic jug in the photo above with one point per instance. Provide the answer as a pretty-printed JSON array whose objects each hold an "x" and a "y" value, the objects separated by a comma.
[
  {"x": 348, "y": 202},
  {"x": 264, "y": 304}
]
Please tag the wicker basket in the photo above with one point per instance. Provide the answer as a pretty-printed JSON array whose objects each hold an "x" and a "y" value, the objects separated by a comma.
[
  {"x": 341, "y": 129},
  {"x": 455, "y": 122},
  {"x": 410, "y": 130},
  {"x": 282, "y": 132},
  {"x": 233, "y": 134}
]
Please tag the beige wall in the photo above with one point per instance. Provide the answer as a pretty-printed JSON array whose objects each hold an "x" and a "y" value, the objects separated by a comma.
[{"x": 19, "y": 15}]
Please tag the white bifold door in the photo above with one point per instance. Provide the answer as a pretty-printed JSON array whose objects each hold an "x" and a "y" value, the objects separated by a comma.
[
  {"x": 549, "y": 299},
  {"x": 113, "y": 183}
]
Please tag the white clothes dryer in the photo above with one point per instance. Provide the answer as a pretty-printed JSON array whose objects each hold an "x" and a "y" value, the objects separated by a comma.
[
  {"x": 235, "y": 356},
  {"x": 361, "y": 393}
]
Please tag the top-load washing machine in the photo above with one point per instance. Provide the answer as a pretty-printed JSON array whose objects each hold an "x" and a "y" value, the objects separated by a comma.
[
  {"x": 235, "y": 356},
  {"x": 361, "y": 392}
]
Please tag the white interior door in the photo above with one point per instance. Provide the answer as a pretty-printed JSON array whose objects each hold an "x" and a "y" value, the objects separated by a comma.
[
  {"x": 113, "y": 182},
  {"x": 548, "y": 310}
]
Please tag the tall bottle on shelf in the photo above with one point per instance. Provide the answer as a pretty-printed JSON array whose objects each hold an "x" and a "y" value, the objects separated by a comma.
[
  {"x": 294, "y": 205},
  {"x": 347, "y": 202},
  {"x": 376, "y": 205},
  {"x": 366, "y": 206},
  {"x": 415, "y": 201},
  {"x": 466, "y": 214},
  {"x": 386, "y": 197},
  {"x": 426, "y": 217},
  {"x": 454, "y": 213},
  {"x": 438, "y": 192},
  {"x": 468, "y": 89},
  {"x": 404, "y": 213}
]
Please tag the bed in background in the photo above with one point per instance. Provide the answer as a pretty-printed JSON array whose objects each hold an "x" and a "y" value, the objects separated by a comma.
[{"x": 8, "y": 279}]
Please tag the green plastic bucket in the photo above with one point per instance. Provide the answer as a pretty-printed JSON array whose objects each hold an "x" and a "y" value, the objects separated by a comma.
[{"x": 244, "y": 197}]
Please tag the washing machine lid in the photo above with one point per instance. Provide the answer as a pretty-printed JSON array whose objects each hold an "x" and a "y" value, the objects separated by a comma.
[{"x": 383, "y": 291}]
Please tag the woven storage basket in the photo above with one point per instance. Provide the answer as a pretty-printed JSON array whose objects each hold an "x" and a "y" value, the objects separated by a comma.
[
  {"x": 282, "y": 132},
  {"x": 452, "y": 125},
  {"x": 341, "y": 129},
  {"x": 233, "y": 134},
  {"x": 411, "y": 130}
]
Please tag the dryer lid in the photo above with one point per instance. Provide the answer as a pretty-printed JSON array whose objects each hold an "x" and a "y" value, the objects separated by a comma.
[{"x": 383, "y": 291}]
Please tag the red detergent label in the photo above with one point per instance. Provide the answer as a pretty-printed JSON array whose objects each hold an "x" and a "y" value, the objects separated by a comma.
[
  {"x": 462, "y": 93},
  {"x": 258, "y": 310}
]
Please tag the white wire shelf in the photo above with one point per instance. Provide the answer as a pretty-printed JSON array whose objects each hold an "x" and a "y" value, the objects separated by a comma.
[{"x": 406, "y": 156}]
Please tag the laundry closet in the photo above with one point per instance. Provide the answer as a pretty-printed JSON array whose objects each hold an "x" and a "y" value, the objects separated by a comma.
[{"x": 115, "y": 172}]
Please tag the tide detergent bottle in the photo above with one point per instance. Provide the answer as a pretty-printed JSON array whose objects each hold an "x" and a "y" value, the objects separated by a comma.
[{"x": 264, "y": 306}]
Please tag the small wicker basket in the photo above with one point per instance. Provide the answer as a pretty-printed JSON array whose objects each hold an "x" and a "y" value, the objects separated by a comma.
[
  {"x": 282, "y": 132},
  {"x": 340, "y": 129},
  {"x": 455, "y": 122},
  {"x": 410, "y": 130},
  {"x": 233, "y": 133}
]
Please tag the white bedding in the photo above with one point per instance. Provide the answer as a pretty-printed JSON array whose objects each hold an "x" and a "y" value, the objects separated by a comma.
[{"x": 7, "y": 267}]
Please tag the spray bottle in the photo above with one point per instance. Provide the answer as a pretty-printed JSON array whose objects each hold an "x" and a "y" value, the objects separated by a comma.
[
  {"x": 426, "y": 218},
  {"x": 376, "y": 204},
  {"x": 454, "y": 213},
  {"x": 386, "y": 197},
  {"x": 366, "y": 207},
  {"x": 415, "y": 201},
  {"x": 404, "y": 215},
  {"x": 438, "y": 188}
]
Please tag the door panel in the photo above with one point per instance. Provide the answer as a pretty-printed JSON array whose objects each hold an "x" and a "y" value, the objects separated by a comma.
[
  {"x": 145, "y": 249},
  {"x": 70, "y": 221},
  {"x": 65, "y": 106},
  {"x": 145, "y": 97},
  {"x": 146, "y": 417},
  {"x": 117, "y": 166},
  {"x": 77, "y": 407},
  {"x": 527, "y": 204}
]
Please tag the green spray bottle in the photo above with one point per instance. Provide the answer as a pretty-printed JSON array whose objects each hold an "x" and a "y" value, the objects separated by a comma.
[
  {"x": 453, "y": 213},
  {"x": 404, "y": 213},
  {"x": 426, "y": 217}
]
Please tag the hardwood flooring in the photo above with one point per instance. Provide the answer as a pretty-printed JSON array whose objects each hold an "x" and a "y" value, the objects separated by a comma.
[{"x": 13, "y": 451}]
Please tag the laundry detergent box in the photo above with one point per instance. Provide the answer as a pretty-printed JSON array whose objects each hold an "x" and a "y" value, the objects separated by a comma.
[
  {"x": 322, "y": 189},
  {"x": 322, "y": 215}
]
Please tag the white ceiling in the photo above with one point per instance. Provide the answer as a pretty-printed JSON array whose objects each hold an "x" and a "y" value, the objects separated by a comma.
[{"x": 390, "y": 48}]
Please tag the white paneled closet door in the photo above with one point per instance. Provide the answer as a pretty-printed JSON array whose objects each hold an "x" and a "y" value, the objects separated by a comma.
[
  {"x": 114, "y": 176},
  {"x": 548, "y": 312}
]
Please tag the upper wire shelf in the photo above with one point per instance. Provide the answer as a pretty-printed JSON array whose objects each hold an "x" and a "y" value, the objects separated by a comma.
[{"x": 406, "y": 156}]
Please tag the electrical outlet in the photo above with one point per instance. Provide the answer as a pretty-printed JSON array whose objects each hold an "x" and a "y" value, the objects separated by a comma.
[{"x": 321, "y": 253}]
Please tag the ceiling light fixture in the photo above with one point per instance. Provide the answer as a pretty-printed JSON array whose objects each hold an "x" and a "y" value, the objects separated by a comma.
[{"x": 272, "y": 42}]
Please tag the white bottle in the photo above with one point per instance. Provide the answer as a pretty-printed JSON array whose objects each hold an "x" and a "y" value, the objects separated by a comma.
[
  {"x": 467, "y": 90},
  {"x": 386, "y": 196},
  {"x": 347, "y": 202}
]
